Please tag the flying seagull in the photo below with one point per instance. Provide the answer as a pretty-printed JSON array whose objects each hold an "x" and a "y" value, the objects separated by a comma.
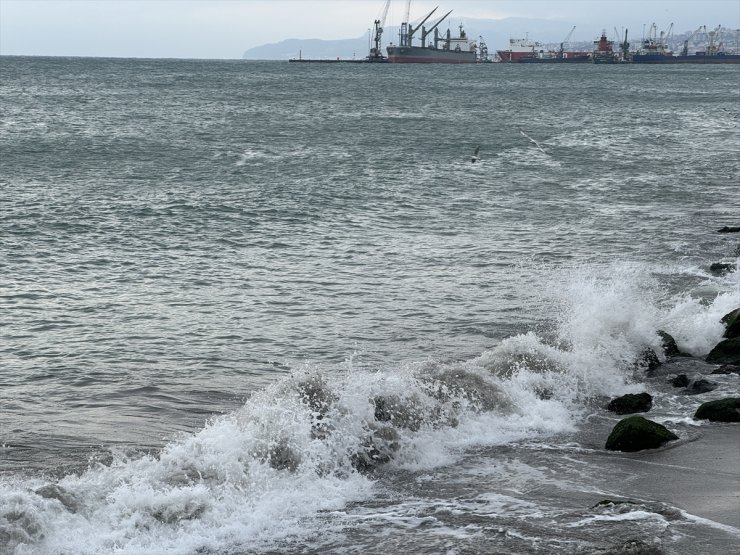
[
  {"x": 475, "y": 157},
  {"x": 535, "y": 142}
]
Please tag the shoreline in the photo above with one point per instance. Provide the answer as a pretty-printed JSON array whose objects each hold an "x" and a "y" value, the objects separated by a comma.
[{"x": 700, "y": 475}]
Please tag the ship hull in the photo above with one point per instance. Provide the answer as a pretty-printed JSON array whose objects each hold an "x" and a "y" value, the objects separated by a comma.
[
  {"x": 529, "y": 58},
  {"x": 692, "y": 59},
  {"x": 419, "y": 55}
]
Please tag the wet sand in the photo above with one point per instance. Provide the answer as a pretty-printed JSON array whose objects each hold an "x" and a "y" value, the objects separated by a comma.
[{"x": 700, "y": 476}]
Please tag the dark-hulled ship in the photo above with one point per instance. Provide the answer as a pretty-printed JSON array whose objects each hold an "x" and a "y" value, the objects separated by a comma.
[
  {"x": 441, "y": 49},
  {"x": 655, "y": 51}
]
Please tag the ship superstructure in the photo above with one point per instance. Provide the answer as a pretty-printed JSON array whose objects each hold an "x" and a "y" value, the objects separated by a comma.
[{"x": 604, "y": 50}]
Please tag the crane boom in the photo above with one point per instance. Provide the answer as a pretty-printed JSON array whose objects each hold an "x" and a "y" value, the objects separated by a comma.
[
  {"x": 384, "y": 13},
  {"x": 562, "y": 44},
  {"x": 425, "y": 32},
  {"x": 414, "y": 29}
]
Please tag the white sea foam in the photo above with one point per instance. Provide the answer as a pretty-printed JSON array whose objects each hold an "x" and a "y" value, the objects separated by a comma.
[{"x": 695, "y": 324}]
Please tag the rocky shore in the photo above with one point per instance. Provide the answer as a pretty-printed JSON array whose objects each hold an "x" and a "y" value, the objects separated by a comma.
[{"x": 691, "y": 461}]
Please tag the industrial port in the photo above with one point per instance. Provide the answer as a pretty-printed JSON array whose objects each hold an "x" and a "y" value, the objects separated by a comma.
[{"x": 433, "y": 46}]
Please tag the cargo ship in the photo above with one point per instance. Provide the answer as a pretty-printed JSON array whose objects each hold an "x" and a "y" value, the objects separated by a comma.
[
  {"x": 527, "y": 51},
  {"x": 442, "y": 49}
]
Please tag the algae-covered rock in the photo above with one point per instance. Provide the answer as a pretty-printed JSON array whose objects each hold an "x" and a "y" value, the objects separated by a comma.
[
  {"x": 724, "y": 410},
  {"x": 732, "y": 322},
  {"x": 725, "y": 352},
  {"x": 636, "y": 433},
  {"x": 630, "y": 403}
]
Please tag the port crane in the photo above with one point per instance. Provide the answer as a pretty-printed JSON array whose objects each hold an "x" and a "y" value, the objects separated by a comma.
[
  {"x": 624, "y": 46},
  {"x": 561, "y": 51},
  {"x": 376, "y": 53},
  {"x": 713, "y": 48},
  {"x": 685, "y": 49}
]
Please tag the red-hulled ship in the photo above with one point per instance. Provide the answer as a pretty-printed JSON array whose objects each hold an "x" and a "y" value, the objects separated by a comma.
[{"x": 527, "y": 51}]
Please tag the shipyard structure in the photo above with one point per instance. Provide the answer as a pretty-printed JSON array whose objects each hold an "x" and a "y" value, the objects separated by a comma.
[{"x": 652, "y": 49}]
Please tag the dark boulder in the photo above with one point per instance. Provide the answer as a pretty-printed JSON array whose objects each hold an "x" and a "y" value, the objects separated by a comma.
[
  {"x": 731, "y": 320},
  {"x": 725, "y": 352},
  {"x": 648, "y": 360},
  {"x": 630, "y": 403},
  {"x": 700, "y": 386},
  {"x": 727, "y": 229},
  {"x": 724, "y": 410},
  {"x": 719, "y": 269},
  {"x": 670, "y": 348},
  {"x": 682, "y": 380},
  {"x": 636, "y": 433},
  {"x": 728, "y": 369}
]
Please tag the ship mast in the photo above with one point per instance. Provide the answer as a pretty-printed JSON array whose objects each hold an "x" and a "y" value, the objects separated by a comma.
[{"x": 403, "y": 39}]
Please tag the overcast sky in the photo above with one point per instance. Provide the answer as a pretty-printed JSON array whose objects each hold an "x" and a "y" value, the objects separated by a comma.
[{"x": 226, "y": 28}]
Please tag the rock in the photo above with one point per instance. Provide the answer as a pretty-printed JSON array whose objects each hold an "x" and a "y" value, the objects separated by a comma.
[
  {"x": 632, "y": 547},
  {"x": 728, "y": 369},
  {"x": 403, "y": 413},
  {"x": 378, "y": 448},
  {"x": 55, "y": 491},
  {"x": 630, "y": 403},
  {"x": 636, "y": 433},
  {"x": 648, "y": 360},
  {"x": 725, "y": 352},
  {"x": 682, "y": 380},
  {"x": 732, "y": 322},
  {"x": 724, "y": 410},
  {"x": 669, "y": 345},
  {"x": 729, "y": 230},
  {"x": 282, "y": 456},
  {"x": 719, "y": 269},
  {"x": 700, "y": 386}
]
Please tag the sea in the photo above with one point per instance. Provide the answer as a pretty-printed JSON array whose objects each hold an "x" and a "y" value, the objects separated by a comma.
[{"x": 270, "y": 307}]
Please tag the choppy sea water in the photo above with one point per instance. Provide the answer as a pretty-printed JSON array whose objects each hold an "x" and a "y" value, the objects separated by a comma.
[{"x": 266, "y": 307}]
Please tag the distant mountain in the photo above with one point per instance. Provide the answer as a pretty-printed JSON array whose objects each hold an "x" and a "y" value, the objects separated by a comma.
[
  {"x": 309, "y": 48},
  {"x": 496, "y": 33}
]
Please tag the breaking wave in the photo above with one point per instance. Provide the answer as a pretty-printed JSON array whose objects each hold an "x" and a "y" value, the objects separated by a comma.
[{"x": 320, "y": 438}]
